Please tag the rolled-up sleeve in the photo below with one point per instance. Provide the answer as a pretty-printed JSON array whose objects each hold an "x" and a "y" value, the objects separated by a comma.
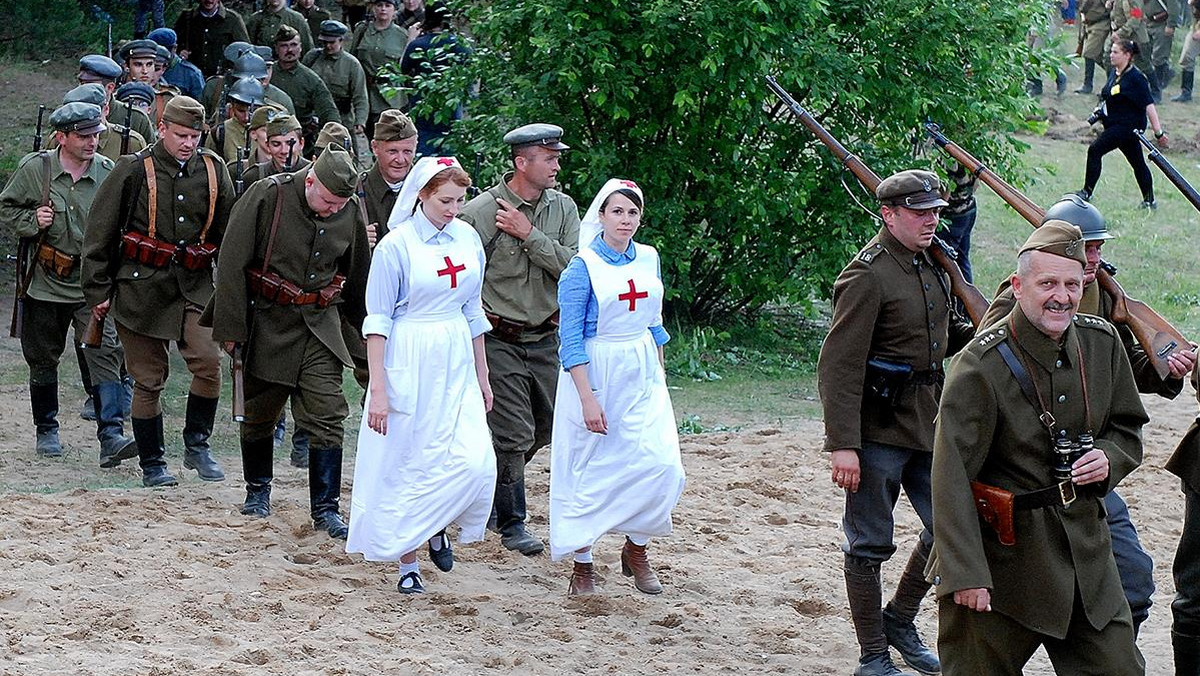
[
  {"x": 574, "y": 292},
  {"x": 386, "y": 285},
  {"x": 473, "y": 308}
]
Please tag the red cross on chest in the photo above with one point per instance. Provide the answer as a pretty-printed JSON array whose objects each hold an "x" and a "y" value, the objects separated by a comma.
[
  {"x": 632, "y": 296},
  {"x": 452, "y": 270}
]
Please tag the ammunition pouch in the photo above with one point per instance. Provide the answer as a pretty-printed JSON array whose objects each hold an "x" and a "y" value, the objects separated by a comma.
[
  {"x": 280, "y": 291},
  {"x": 147, "y": 250},
  {"x": 886, "y": 381},
  {"x": 196, "y": 256},
  {"x": 56, "y": 263}
]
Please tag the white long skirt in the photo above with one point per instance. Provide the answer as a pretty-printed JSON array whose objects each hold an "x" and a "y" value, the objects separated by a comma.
[
  {"x": 629, "y": 480},
  {"x": 435, "y": 466}
]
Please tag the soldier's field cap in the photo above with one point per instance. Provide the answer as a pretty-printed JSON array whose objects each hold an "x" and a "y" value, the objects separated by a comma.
[
  {"x": 335, "y": 132},
  {"x": 335, "y": 170},
  {"x": 98, "y": 68},
  {"x": 136, "y": 49},
  {"x": 1059, "y": 238},
  {"x": 262, "y": 116},
  {"x": 913, "y": 188},
  {"x": 383, "y": 2},
  {"x": 282, "y": 124},
  {"x": 163, "y": 36},
  {"x": 285, "y": 33},
  {"x": 186, "y": 111},
  {"x": 538, "y": 134},
  {"x": 81, "y": 118},
  {"x": 394, "y": 125},
  {"x": 247, "y": 90},
  {"x": 162, "y": 54},
  {"x": 135, "y": 91},
  {"x": 91, "y": 92},
  {"x": 332, "y": 30}
]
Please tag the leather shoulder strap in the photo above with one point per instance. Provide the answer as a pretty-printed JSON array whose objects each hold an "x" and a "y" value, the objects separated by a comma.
[
  {"x": 274, "y": 220},
  {"x": 1025, "y": 381},
  {"x": 211, "y": 170},
  {"x": 152, "y": 193}
]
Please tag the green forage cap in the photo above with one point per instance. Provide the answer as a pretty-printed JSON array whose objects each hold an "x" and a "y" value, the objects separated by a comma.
[
  {"x": 1059, "y": 238},
  {"x": 265, "y": 114},
  {"x": 394, "y": 125},
  {"x": 282, "y": 124},
  {"x": 335, "y": 170},
  {"x": 335, "y": 132},
  {"x": 186, "y": 111},
  {"x": 914, "y": 189}
]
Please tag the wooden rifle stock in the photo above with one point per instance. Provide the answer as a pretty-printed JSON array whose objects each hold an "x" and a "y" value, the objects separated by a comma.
[
  {"x": 1169, "y": 170},
  {"x": 27, "y": 248},
  {"x": 238, "y": 371},
  {"x": 973, "y": 301},
  {"x": 93, "y": 335},
  {"x": 1154, "y": 333}
]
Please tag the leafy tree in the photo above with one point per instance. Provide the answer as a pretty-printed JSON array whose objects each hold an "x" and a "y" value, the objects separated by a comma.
[{"x": 744, "y": 204}]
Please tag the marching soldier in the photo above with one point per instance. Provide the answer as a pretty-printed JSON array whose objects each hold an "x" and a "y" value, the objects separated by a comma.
[
  {"x": 246, "y": 64},
  {"x": 313, "y": 14},
  {"x": 313, "y": 102},
  {"x": 264, "y": 24},
  {"x": 205, "y": 31},
  {"x": 1094, "y": 28},
  {"x": 1185, "y": 609},
  {"x": 105, "y": 72},
  {"x": 178, "y": 72},
  {"x": 1187, "y": 56},
  {"x": 1128, "y": 21},
  {"x": 113, "y": 137},
  {"x": 230, "y": 138},
  {"x": 139, "y": 95},
  {"x": 346, "y": 80},
  {"x": 376, "y": 44},
  {"x": 48, "y": 198},
  {"x": 1161, "y": 18},
  {"x": 295, "y": 261},
  {"x": 285, "y": 144},
  {"x": 530, "y": 232},
  {"x": 148, "y": 260}
]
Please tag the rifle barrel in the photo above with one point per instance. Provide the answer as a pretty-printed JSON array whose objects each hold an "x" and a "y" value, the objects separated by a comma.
[{"x": 1181, "y": 184}]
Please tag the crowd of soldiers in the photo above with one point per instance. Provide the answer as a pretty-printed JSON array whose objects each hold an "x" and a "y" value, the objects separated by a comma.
[{"x": 147, "y": 188}]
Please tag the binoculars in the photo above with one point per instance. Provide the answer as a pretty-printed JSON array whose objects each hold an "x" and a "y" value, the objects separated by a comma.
[{"x": 1066, "y": 452}]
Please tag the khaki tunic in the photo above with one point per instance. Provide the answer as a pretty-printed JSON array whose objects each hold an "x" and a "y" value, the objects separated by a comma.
[
  {"x": 1128, "y": 21},
  {"x": 1096, "y": 302},
  {"x": 376, "y": 48},
  {"x": 988, "y": 431},
  {"x": 309, "y": 94},
  {"x": 151, "y": 301},
  {"x": 262, "y": 26},
  {"x": 1096, "y": 25},
  {"x": 308, "y": 251},
  {"x": 521, "y": 280},
  {"x": 892, "y": 304},
  {"x": 1185, "y": 461},
  {"x": 227, "y": 140},
  {"x": 380, "y": 199},
  {"x": 262, "y": 170},
  {"x": 139, "y": 121},
  {"x": 347, "y": 83},
  {"x": 71, "y": 200}
]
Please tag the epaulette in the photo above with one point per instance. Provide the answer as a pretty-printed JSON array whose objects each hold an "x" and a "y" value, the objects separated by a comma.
[
  {"x": 1094, "y": 322},
  {"x": 868, "y": 254},
  {"x": 991, "y": 338}
]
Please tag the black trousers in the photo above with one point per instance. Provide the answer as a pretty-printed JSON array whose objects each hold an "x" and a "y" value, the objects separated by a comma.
[
  {"x": 1185, "y": 609},
  {"x": 1123, "y": 139}
]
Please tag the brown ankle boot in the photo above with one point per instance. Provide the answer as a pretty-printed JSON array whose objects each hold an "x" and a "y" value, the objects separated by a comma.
[
  {"x": 583, "y": 580},
  {"x": 635, "y": 564}
]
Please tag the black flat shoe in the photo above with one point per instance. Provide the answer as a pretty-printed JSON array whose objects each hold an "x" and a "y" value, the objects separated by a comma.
[
  {"x": 415, "y": 586},
  {"x": 442, "y": 558}
]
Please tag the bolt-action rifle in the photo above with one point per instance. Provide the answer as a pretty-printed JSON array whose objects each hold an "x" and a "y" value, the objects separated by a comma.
[
  {"x": 1155, "y": 334},
  {"x": 973, "y": 301},
  {"x": 1169, "y": 170},
  {"x": 27, "y": 247}
]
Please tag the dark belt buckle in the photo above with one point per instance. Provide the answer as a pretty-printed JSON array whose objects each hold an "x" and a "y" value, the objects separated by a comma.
[{"x": 1066, "y": 493}]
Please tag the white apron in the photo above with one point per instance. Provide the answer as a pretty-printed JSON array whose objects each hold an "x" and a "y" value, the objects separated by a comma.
[
  {"x": 629, "y": 480},
  {"x": 435, "y": 466}
]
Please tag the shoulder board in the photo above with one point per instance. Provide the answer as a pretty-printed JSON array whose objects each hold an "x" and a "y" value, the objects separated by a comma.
[
  {"x": 869, "y": 254},
  {"x": 1093, "y": 322},
  {"x": 991, "y": 338}
]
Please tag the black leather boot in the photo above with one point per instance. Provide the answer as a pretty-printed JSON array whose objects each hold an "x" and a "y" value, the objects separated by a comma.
[
  {"x": 110, "y": 429},
  {"x": 899, "y": 614},
  {"x": 149, "y": 435},
  {"x": 1186, "y": 80},
  {"x": 258, "y": 471},
  {"x": 324, "y": 490},
  {"x": 197, "y": 428},
  {"x": 43, "y": 401},
  {"x": 299, "y": 457},
  {"x": 510, "y": 519},
  {"x": 1089, "y": 73},
  {"x": 1187, "y": 654}
]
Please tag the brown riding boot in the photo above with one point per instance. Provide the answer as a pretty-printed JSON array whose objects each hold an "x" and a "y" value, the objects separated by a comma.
[
  {"x": 583, "y": 580},
  {"x": 635, "y": 564}
]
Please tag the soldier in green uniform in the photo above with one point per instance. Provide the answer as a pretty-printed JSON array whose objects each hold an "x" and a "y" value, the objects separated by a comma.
[
  {"x": 246, "y": 64},
  {"x": 285, "y": 144},
  {"x": 205, "y": 31},
  {"x": 346, "y": 80},
  {"x": 229, "y": 139},
  {"x": 1128, "y": 21},
  {"x": 314, "y": 103},
  {"x": 530, "y": 231},
  {"x": 1161, "y": 18},
  {"x": 1040, "y": 408},
  {"x": 104, "y": 71},
  {"x": 377, "y": 43},
  {"x": 264, "y": 24},
  {"x": 880, "y": 378},
  {"x": 1187, "y": 56},
  {"x": 163, "y": 90},
  {"x": 48, "y": 198},
  {"x": 313, "y": 14},
  {"x": 294, "y": 240},
  {"x": 1185, "y": 609},
  {"x": 112, "y": 138},
  {"x": 1095, "y": 25},
  {"x": 147, "y": 259}
]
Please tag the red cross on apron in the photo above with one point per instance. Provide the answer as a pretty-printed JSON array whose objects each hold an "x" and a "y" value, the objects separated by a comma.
[
  {"x": 632, "y": 296},
  {"x": 453, "y": 270}
]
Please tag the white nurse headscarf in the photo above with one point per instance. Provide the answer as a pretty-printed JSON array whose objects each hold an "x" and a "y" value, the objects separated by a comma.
[
  {"x": 590, "y": 226},
  {"x": 422, "y": 172}
]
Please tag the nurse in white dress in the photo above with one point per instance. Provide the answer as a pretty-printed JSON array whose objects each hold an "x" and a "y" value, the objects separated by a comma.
[
  {"x": 615, "y": 464},
  {"x": 425, "y": 457}
]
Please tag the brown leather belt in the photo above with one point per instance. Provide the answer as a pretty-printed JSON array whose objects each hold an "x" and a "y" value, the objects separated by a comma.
[
  {"x": 280, "y": 291},
  {"x": 512, "y": 332}
]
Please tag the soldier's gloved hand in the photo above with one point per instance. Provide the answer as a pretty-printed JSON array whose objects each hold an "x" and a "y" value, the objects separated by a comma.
[
  {"x": 44, "y": 215},
  {"x": 976, "y": 599},
  {"x": 1089, "y": 469},
  {"x": 846, "y": 472}
]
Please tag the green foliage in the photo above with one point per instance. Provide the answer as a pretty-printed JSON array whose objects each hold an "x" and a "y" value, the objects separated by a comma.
[{"x": 773, "y": 346}]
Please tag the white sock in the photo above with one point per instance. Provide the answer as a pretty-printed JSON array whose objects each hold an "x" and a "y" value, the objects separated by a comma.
[
  {"x": 639, "y": 540},
  {"x": 583, "y": 557},
  {"x": 406, "y": 568}
]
